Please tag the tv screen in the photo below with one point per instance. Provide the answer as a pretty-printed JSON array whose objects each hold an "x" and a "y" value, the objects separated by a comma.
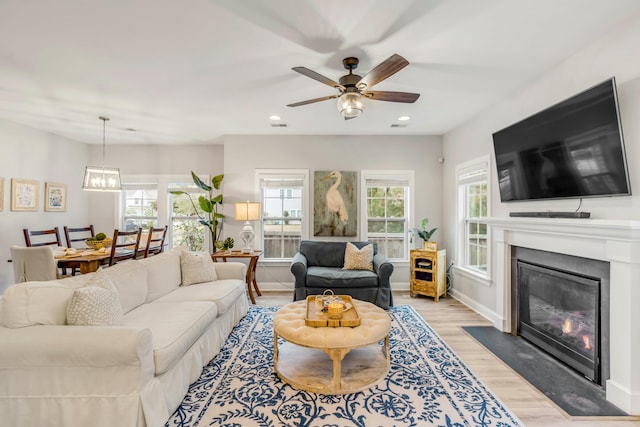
[{"x": 572, "y": 149}]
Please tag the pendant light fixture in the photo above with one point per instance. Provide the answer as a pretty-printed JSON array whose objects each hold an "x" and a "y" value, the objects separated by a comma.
[{"x": 101, "y": 178}]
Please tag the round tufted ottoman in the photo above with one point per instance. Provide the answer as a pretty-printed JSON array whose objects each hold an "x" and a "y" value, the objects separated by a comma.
[{"x": 356, "y": 359}]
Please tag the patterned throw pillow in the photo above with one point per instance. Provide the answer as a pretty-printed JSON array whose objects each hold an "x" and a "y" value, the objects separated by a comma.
[
  {"x": 197, "y": 267},
  {"x": 358, "y": 259},
  {"x": 95, "y": 304}
]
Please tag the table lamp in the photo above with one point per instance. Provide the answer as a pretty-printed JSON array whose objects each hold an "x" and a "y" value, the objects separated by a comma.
[{"x": 247, "y": 211}]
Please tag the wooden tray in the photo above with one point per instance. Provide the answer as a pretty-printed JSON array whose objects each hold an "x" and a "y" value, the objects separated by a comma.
[{"x": 317, "y": 318}]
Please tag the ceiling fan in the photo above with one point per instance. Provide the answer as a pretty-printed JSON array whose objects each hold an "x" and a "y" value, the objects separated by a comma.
[{"x": 353, "y": 88}]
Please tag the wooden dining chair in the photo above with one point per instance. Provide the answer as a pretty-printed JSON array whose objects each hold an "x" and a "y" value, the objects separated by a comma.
[
  {"x": 82, "y": 231},
  {"x": 155, "y": 245},
  {"x": 125, "y": 245},
  {"x": 52, "y": 237}
]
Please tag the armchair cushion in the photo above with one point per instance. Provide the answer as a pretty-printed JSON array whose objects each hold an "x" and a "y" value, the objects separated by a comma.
[
  {"x": 358, "y": 259},
  {"x": 335, "y": 278}
]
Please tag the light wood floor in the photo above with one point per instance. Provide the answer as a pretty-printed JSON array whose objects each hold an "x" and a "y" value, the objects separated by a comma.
[{"x": 447, "y": 318}]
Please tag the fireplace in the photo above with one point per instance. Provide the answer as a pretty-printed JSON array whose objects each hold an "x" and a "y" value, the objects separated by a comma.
[
  {"x": 615, "y": 244},
  {"x": 561, "y": 305}
]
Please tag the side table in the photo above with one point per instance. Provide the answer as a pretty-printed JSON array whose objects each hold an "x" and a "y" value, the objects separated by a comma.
[{"x": 251, "y": 268}]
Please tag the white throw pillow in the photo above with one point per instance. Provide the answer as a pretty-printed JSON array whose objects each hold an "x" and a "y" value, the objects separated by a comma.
[
  {"x": 358, "y": 259},
  {"x": 95, "y": 304},
  {"x": 197, "y": 267}
]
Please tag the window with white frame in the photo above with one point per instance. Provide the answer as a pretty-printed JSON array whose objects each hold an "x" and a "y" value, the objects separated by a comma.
[
  {"x": 140, "y": 205},
  {"x": 146, "y": 200},
  {"x": 473, "y": 208},
  {"x": 184, "y": 224},
  {"x": 387, "y": 196},
  {"x": 284, "y": 195}
]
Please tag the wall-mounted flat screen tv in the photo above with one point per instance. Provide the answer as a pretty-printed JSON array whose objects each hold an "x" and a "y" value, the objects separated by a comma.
[{"x": 573, "y": 149}]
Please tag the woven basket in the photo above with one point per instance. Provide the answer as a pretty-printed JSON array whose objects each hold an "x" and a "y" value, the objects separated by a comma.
[{"x": 97, "y": 244}]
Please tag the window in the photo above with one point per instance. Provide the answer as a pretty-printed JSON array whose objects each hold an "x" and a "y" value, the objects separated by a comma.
[
  {"x": 387, "y": 197},
  {"x": 146, "y": 201},
  {"x": 184, "y": 225},
  {"x": 473, "y": 191},
  {"x": 140, "y": 205},
  {"x": 284, "y": 211}
]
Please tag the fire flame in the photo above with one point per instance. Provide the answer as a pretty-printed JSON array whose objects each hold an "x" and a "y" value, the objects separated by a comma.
[
  {"x": 567, "y": 327},
  {"x": 587, "y": 342}
]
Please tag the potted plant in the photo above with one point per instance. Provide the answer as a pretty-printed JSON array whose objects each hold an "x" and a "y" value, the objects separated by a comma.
[
  {"x": 208, "y": 204},
  {"x": 225, "y": 245},
  {"x": 425, "y": 234}
]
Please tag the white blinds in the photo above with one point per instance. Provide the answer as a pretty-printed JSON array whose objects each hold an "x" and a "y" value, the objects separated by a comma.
[
  {"x": 275, "y": 181},
  {"x": 475, "y": 173}
]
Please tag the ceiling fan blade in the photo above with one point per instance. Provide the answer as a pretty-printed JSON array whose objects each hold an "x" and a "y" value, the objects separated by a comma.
[
  {"x": 311, "y": 101},
  {"x": 386, "y": 69},
  {"x": 318, "y": 77},
  {"x": 349, "y": 118},
  {"x": 379, "y": 95}
]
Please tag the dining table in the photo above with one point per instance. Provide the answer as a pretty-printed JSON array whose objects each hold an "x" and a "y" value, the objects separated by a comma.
[{"x": 86, "y": 261}]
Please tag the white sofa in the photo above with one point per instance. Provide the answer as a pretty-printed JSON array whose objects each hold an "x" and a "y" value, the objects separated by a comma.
[{"x": 135, "y": 374}]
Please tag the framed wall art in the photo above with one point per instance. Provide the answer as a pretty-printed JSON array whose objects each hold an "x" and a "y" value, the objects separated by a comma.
[
  {"x": 334, "y": 203},
  {"x": 1, "y": 194},
  {"x": 24, "y": 194},
  {"x": 55, "y": 197}
]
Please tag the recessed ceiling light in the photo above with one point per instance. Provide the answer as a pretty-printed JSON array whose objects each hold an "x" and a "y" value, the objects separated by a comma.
[
  {"x": 274, "y": 118},
  {"x": 404, "y": 118}
]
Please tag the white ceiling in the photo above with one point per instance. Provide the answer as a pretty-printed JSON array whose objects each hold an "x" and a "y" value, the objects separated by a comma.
[{"x": 190, "y": 71}]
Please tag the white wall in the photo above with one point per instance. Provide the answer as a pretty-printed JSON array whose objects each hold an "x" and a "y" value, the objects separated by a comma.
[
  {"x": 148, "y": 160},
  {"x": 27, "y": 153},
  {"x": 616, "y": 55},
  {"x": 244, "y": 154}
]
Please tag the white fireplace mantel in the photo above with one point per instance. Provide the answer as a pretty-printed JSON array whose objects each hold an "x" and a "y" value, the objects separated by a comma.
[{"x": 614, "y": 241}]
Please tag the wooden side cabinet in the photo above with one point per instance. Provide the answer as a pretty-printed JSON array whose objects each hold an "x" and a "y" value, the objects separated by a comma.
[{"x": 428, "y": 269}]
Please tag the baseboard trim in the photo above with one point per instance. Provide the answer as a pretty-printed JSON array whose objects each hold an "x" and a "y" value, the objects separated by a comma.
[{"x": 482, "y": 310}]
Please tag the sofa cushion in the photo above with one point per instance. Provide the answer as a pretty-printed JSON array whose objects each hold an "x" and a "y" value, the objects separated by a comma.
[
  {"x": 131, "y": 283},
  {"x": 358, "y": 259},
  {"x": 333, "y": 278},
  {"x": 95, "y": 304},
  {"x": 38, "y": 303},
  {"x": 328, "y": 254},
  {"x": 196, "y": 267},
  {"x": 175, "y": 327},
  {"x": 163, "y": 273},
  {"x": 223, "y": 293}
]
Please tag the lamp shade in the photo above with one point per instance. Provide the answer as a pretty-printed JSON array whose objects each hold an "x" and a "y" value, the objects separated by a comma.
[
  {"x": 247, "y": 211},
  {"x": 98, "y": 178}
]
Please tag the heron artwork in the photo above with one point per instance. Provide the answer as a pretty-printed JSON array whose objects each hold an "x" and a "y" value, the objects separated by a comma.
[{"x": 335, "y": 215}]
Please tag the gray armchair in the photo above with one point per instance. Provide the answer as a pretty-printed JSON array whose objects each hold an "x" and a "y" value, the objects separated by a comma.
[{"x": 318, "y": 266}]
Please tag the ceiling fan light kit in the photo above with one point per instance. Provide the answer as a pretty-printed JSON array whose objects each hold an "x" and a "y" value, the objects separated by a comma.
[
  {"x": 350, "y": 105},
  {"x": 353, "y": 88}
]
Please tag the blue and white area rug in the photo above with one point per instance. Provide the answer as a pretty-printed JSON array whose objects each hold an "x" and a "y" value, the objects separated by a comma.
[{"x": 426, "y": 385}]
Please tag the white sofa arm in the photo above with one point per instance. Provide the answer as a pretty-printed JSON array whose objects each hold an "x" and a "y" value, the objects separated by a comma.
[
  {"x": 76, "y": 375},
  {"x": 231, "y": 270},
  {"x": 91, "y": 354}
]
